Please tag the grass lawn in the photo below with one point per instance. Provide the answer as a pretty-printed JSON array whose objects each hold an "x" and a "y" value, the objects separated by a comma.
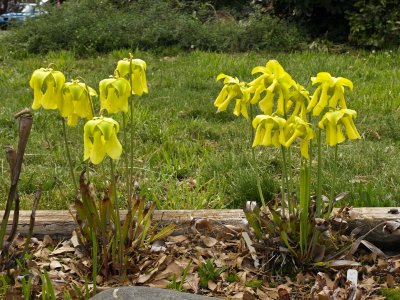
[{"x": 186, "y": 155}]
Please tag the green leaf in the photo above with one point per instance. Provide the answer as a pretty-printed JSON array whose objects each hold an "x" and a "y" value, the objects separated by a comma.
[{"x": 163, "y": 233}]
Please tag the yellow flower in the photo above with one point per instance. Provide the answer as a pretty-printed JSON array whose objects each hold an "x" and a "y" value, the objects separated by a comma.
[
  {"x": 273, "y": 81},
  {"x": 334, "y": 121},
  {"x": 269, "y": 130},
  {"x": 233, "y": 89},
  {"x": 76, "y": 101},
  {"x": 136, "y": 68},
  {"x": 296, "y": 127},
  {"x": 47, "y": 87},
  {"x": 329, "y": 93},
  {"x": 100, "y": 138},
  {"x": 114, "y": 94},
  {"x": 300, "y": 98}
]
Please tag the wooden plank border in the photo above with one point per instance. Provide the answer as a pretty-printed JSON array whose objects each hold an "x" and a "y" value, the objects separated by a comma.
[{"x": 60, "y": 223}]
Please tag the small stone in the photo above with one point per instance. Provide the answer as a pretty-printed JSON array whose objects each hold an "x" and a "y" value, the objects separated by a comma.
[{"x": 146, "y": 293}]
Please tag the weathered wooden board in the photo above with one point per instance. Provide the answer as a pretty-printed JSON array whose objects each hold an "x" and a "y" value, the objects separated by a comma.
[{"x": 61, "y": 222}]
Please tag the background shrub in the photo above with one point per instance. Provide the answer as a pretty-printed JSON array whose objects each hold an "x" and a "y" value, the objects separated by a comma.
[
  {"x": 86, "y": 27},
  {"x": 375, "y": 23},
  {"x": 365, "y": 23},
  {"x": 321, "y": 18}
]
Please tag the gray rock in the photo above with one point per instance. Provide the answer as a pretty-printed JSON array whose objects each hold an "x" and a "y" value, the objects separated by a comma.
[{"x": 145, "y": 293}]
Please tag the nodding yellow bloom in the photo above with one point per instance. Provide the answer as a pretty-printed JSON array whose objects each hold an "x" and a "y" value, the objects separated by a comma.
[
  {"x": 233, "y": 89},
  {"x": 100, "y": 138},
  {"x": 296, "y": 127},
  {"x": 273, "y": 81},
  {"x": 334, "y": 121},
  {"x": 76, "y": 102},
  {"x": 269, "y": 130},
  {"x": 137, "y": 69},
  {"x": 300, "y": 98},
  {"x": 114, "y": 94},
  {"x": 47, "y": 87},
  {"x": 329, "y": 93}
]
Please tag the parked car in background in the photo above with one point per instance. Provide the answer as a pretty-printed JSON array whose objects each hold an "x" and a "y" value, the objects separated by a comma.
[{"x": 18, "y": 13}]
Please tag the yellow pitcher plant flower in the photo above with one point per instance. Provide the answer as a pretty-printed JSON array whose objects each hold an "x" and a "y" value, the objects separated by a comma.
[
  {"x": 76, "y": 102},
  {"x": 114, "y": 94},
  {"x": 233, "y": 89},
  {"x": 296, "y": 127},
  {"x": 329, "y": 93},
  {"x": 100, "y": 138},
  {"x": 275, "y": 81},
  {"x": 269, "y": 130},
  {"x": 334, "y": 121},
  {"x": 47, "y": 85},
  {"x": 137, "y": 69},
  {"x": 300, "y": 99}
]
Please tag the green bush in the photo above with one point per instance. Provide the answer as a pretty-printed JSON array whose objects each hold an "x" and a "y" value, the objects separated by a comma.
[
  {"x": 86, "y": 27},
  {"x": 375, "y": 23},
  {"x": 320, "y": 18}
]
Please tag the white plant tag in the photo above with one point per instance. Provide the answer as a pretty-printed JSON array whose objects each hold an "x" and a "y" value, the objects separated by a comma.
[{"x": 352, "y": 275}]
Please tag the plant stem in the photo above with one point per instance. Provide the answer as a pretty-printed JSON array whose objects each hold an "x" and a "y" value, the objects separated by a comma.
[
  {"x": 284, "y": 178},
  {"x": 131, "y": 153},
  {"x": 319, "y": 174},
  {"x": 130, "y": 170},
  {"x": 260, "y": 192},
  {"x": 304, "y": 205},
  {"x": 333, "y": 184},
  {"x": 287, "y": 166},
  {"x": 290, "y": 181},
  {"x": 71, "y": 167},
  {"x": 94, "y": 258},
  {"x": 117, "y": 239},
  {"x": 126, "y": 161}
]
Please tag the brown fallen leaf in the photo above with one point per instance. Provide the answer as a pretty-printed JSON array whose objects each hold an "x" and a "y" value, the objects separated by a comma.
[
  {"x": 342, "y": 263},
  {"x": 192, "y": 282},
  {"x": 48, "y": 241},
  {"x": 162, "y": 283},
  {"x": 62, "y": 250},
  {"x": 201, "y": 225},
  {"x": 391, "y": 227},
  {"x": 325, "y": 294},
  {"x": 283, "y": 294},
  {"x": 177, "y": 239},
  {"x": 171, "y": 270},
  {"x": 212, "y": 286},
  {"x": 373, "y": 249},
  {"x": 390, "y": 281},
  {"x": 42, "y": 253},
  {"x": 209, "y": 241},
  {"x": 55, "y": 265}
]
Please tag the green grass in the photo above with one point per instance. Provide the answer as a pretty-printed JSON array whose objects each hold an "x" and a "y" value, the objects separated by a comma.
[
  {"x": 179, "y": 137},
  {"x": 391, "y": 294}
]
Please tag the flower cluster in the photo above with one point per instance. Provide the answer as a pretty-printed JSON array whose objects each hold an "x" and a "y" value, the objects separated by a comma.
[
  {"x": 74, "y": 100},
  {"x": 285, "y": 105}
]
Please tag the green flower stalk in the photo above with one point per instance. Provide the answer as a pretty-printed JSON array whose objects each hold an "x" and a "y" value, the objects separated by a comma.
[
  {"x": 330, "y": 92},
  {"x": 76, "y": 102},
  {"x": 114, "y": 94},
  {"x": 233, "y": 89},
  {"x": 100, "y": 138},
  {"x": 47, "y": 85},
  {"x": 334, "y": 121},
  {"x": 136, "y": 70}
]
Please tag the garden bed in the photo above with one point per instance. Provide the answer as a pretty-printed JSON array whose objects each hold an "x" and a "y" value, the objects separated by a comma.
[{"x": 218, "y": 236}]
